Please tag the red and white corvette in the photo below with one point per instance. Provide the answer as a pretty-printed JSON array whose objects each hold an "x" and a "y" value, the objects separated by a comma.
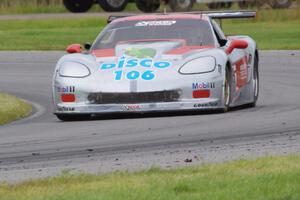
[{"x": 158, "y": 62}]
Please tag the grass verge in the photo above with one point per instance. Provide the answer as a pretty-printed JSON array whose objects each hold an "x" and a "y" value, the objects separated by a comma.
[
  {"x": 266, "y": 179},
  {"x": 272, "y": 29},
  {"x": 11, "y": 108}
]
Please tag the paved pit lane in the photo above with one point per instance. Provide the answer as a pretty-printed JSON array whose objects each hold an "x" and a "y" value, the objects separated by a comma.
[{"x": 42, "y": 146}]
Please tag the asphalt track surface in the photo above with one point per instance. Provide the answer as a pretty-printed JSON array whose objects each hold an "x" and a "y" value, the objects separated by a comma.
[{"x": 41, "y": 145}]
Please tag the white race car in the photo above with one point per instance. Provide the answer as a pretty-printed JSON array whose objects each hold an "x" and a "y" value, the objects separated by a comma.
[{"x": 158, "y": 62}]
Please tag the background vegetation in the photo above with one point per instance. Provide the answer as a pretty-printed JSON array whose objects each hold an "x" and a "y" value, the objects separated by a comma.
[{"x": 272, "y": 29}]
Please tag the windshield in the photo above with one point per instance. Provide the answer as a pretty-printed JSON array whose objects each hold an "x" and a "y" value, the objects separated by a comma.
[{"x": 194, "y": 32}]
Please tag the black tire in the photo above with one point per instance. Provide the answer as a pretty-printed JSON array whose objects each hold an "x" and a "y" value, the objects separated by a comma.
[
  {"x": 218, "y": 5},
  {"x": 255, "y": 82},
  {"x": 181, "y": 5},
  {"x": 280, "y": 3},
  {"x": 147, "y": 6},
  {"x": 73, "y": 117},
  {"x": 227, "y": 90},
  {"x": 258, "y": 3},
  {"x": 243, "y": 4},
  {"x": 226, "y": 5},
  {"x": 212, "y": 5},
  {"x": 78, "y": 6},
  {"x": 249, "y": 4},
  {"x": 113, "y": 5}
]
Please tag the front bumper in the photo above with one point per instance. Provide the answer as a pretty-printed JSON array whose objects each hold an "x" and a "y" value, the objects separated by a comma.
[{"x": 193, "y": 104}]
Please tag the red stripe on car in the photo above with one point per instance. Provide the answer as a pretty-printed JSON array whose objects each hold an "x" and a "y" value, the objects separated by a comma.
[
  {"x": 104, "y": 52},
  {"x": 185, "y": 49}
]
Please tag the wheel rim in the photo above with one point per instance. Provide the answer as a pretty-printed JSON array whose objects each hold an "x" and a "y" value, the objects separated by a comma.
[
  {"x": 183, "y": 3},
  {"x": 115, "y": 3},
  {"x": 226, "y": 93}
]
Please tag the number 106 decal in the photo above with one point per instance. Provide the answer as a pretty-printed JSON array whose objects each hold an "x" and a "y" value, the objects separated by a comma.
[{"x": 133, "y": 75}]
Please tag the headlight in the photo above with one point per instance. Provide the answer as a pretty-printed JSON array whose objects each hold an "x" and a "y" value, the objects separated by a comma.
[
  {"x": 199, "y": 65},
  {"x": 73, "y": 69}
]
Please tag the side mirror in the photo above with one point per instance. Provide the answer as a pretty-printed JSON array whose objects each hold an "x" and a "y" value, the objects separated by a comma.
[
  {"x": 236, "y": 44},
  {"x": 222, "y": 42},
  {"x": 87, "y": 46},
  {"x": 74, "y": 48}
]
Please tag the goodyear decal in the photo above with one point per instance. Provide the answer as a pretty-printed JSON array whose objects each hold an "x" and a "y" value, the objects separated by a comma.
[{"x": 145, "y": 68}]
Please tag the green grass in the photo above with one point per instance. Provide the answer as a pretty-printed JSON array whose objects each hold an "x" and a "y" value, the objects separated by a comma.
[
  {"x": 273, "y": 29},
  {"x": 272, "y": 178},
  {"x": 268, "y": 35},
  {"x": 58, "y": 34},
  {"x": 12, "y": 108}
]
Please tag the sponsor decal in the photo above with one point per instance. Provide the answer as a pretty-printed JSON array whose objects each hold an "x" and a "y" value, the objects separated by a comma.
[
  {"x": 145, "y": 65},
  {"x": 141, "y": 53},
  {"x": 241, "y": 72},
  {"x": 66, "y": 109},
  {"x": 66, "y": 89},
  {"x": 156, "y": 23},
  {"x": 210, "y": 104},
  {"x": 203, "y": 85},
  {"x": 131, "y": 107}
]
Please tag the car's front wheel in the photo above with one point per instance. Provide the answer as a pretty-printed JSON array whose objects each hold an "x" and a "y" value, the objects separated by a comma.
[
  {"x": 227, "y": 90},
  {"x": 73, "y": 117},
  {"x": 78, "y": 6}
]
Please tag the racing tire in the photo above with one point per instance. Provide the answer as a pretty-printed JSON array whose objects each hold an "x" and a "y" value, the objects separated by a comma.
[
  {"x": 245, "y": 4},
  {"x": 217, "y": 5},
  {"x": 78, "y": 6},
  {"x": 147, "y": 6},
  {"x": 280, "y": 3},
  {"x": 113, "y": 5},
  {"x": 255, "y": 82},
  {"x": 73, "y": 117},
  {"x": 227, "y": 90},
  {"x": 181, "y": 5}
]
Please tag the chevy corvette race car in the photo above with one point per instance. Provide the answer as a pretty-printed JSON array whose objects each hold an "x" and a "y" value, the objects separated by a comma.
[{"x": 159, "y": 62}]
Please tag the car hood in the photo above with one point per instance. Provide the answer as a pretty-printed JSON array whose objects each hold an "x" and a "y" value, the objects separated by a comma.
[{"x": 140, "y": 66}]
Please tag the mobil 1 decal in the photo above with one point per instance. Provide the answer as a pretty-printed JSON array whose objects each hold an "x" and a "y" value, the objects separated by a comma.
[{"x": 139, "y": 68}]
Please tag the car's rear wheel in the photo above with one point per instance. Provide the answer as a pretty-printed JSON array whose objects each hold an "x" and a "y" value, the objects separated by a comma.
[
  {"x": 73, "y": 117},
  {"x": 78, "y": 6},
  {"x": 147, "y": 6},
  {"x": 227, "y": 90},
  {"x": 181, "y": 5},
  {"x": 280, "y": 3},
  {"x": 113, "y": 5},
  {"x": 255, "y": 82}
]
